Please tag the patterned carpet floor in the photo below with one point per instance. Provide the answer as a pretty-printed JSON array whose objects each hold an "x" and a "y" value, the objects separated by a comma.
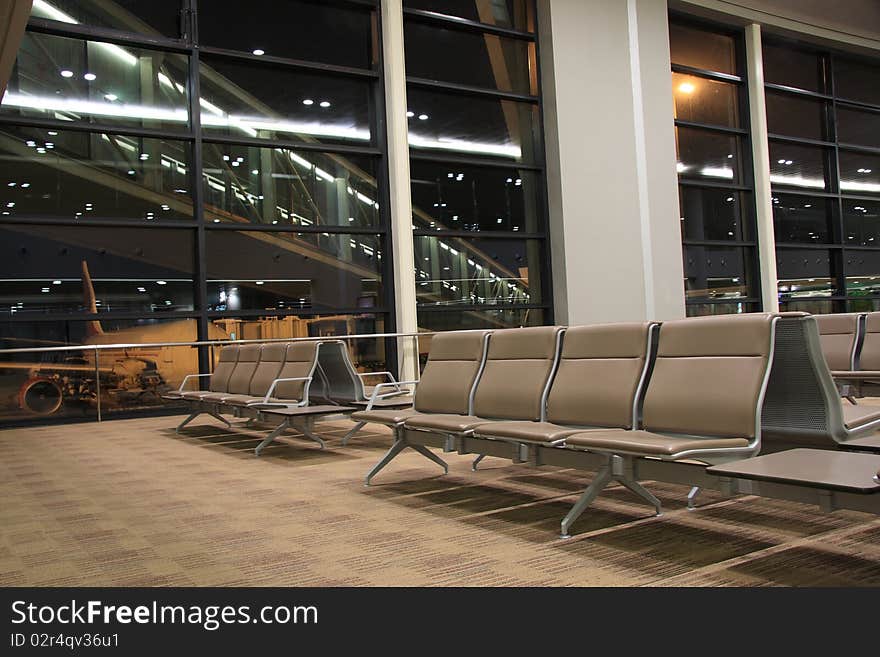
[{"x": 131, "y": 503}]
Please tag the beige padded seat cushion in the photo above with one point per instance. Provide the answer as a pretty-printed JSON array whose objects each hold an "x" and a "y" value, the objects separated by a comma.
[
  {"x": 444, "y": 423},
  {"x": 598, "y": 375},
  {"x": 708, "y": 374},
  {"x": 539, "y": 432},
  {"x": 858, "y": 416},
  {"x": 837, "y": 334},
  {"x": 453, "y": 364},
  {"x": 248, "y": 359},
  {"x": 387, "y": 417},
  {"x": 196, "y": 395},
  {"x": 518, "y": 366},
  {"x": 219, "y": 381},
  {"x": 271, "y": 360},
  {"x": 299, "y": 361},
  {"x": 646, "y": 443}
]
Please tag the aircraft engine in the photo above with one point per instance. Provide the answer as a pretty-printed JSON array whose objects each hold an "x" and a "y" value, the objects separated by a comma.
[{"x": 40, "y": 396}]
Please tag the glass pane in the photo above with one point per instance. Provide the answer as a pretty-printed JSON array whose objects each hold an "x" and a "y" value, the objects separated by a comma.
[
  {"x": 451, "y": 123},
  {"x": 706, "y": 155},
  {"x": 513, "y": 14},
  {"x": 862, "y": 273},
  {"x": 247, "y": 184},
  {"x": 250, "y": 270},
  {"x": 456, "y": 271},
  {"x": 151, "y": 17},
  {"x": 480, "y": 60},
  {"x": 794, "y": 68},
  {"x": 863, "y": 305},
  {"x": 790, "y": 115},
  {"x": 483, "y": 318},
  {"x": 804, "y": 273},
  {"x": 704, "y": 309},
  {"x": 310, "y": 31},
  {"x": 65, "y": 384},
  {"x": 792, "y": 165},
  {"x": 860, "y": 128},
  {"x": 717, "y": 272},
  {"x": 859, "y": 172},
  {"x": 247, "y": 100},
  {"x": 61, "y": 268},
  {"x": 455, "y": 197},
  {"x": 52, "y": 173},
  {"x": 698, "y": 48},
  {"x": 855, "y": 80},
  {"x": 92, "y": 81},
  {"x": 705, "y": 101},
  {"x": 715, "y": 214},
  {"x": 812, "y": 306},
  {"x": 803, "y": 218},
  {"x": 861, "y": 222},
  {"x": 368, "y": 354}
]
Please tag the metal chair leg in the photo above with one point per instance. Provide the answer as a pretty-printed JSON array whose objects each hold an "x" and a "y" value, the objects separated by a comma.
[
  {"x": 192, "y": 416},
  {"x": 602, "y": 478},
  {"x": 272, "y": 435},
  {"x": 476, "y": 461},
  {"x": 642, "y": 492},
  {"x": 306, "y": 430},
  {"x": 428, "y": 454},
  {"x": 217, "y": 416},
  {"x": 351, "y": 433},
  {"x": 398, "y": 446},
  {"x": 692, "y": 498}
]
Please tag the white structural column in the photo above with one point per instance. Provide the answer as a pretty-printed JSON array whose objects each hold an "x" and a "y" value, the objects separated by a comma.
[
  {"x": 400, "y": 212},
  {"x": 612, "y": 182},
  {"x": 761, "y": 165}
]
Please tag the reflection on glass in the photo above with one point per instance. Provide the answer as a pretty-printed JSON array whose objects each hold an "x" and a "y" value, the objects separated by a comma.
[
  {"x": 280, "y": 271},
  {"x": 856, "y": 80},
  {"x": 714, "y": 272},
  {"x": 264, "y": 101},
  {"x": 793, "y": 165},
  {"x": 456, "y": 271},
  {"x": 701, "y": 100},
  {"x": 804, "y": 219},
  {"x": 859, "y": 172},
  {"x": 858, "y": 128},
  {"x": 804, "y": 273},
  {"x": 75, "y": 80},
  {"x": 480, "y": 60},
  {"x": 483, "y": 318},
  {"x": 694, "y": 47},
  {"x": 705, "y": 155},
  {"x": 368, "y": 354},
  {"x": 67, "y": 383},
  {"x": 79, "y": 175},
  {"x": 279, "y": 186},
  {"x": 513, "y": 14},
  {"x": 796, "y": 117},
  {"x": 309, "y": 31},
  {"x": 704, "y": 309},
  {"x": 461, "y": 125},
  {"x": 95, "y": 269},
  {"x": 455, "y": 197},
  {"x": 812, "y": 306},
  {"x": 861, "y": 222},
  {"x": 149, "y": 17},
  {"x": 715, "y": 214},
  {"x": 794, "y": 68},
  {"x": 862, "y": 273}
]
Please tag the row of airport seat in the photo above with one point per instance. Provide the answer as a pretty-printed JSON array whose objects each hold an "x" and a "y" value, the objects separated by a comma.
[
  {"x": 851, "y": 346},
  {"x": 273, "y": 382},
  {"x": 711, "y": 391}
]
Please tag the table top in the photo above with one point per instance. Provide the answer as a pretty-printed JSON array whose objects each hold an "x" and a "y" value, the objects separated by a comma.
[
  {"x": 815, "y": 468},
  {"x": 305, "y": 410}
]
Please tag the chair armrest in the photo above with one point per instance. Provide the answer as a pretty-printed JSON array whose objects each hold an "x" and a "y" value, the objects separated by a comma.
[
  {"x": 396, "y": 385},
  {"x": 390, "y": 376},
  {"x": 187, "y": 378},
  {"x": 305, "y": 397}
]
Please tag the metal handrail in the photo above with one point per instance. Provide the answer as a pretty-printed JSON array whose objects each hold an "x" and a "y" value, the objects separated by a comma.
[{"x": 206, "y": 343}]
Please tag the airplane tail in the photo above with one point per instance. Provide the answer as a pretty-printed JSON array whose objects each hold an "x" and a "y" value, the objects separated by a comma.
[{"x": 93, "y": 327}]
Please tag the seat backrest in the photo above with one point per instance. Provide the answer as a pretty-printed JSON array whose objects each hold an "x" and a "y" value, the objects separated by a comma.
[
  {"x": 340, "y": 377},
  {"x": 601, "y": 372},
  {"x": 224, "y": 368},
  {"x": 519, "y": 365},
  {"x": 248, "y": 359},
  {"x": 869, "y": 356},
  {"x": 300, "y": 360},
  {"x": 271, "y": 360},
  {"x": 710, "y": 375},
  {"x": 838, "y": 335},
  {"x": 802, "y": 405},
  {"x": 453, "y": 368}
]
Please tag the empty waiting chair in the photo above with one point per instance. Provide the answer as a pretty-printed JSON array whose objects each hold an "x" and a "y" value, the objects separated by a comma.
[
  {"x": 601, "y": 374},
  {"x": 240, "y": 378},
  {"x": 519, "y": 366},
  {"x": 703, "y": 402},
  {"x": 838, "y": 335},
  {"x": 219, "y": 378},
  {"x": 267, "y": 370}
]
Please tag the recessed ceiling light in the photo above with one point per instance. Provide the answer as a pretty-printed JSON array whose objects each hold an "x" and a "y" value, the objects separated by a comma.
[
  {"x": 259, "y": 51},
  {"x": 161, "y": 283},
  {"x": 90, "y": 76},
  {"x": 110, "y": 97},
  {"x": 324, "y": 103},
  {"x": 66, "y": 74},
  {"x": 423, "y": 117},
  {"x": 25, "y": 185},
  {"x": 686, "y": 87},
  {"x": 308, "y": 101},
  {"x": 410, "y": 114}
]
